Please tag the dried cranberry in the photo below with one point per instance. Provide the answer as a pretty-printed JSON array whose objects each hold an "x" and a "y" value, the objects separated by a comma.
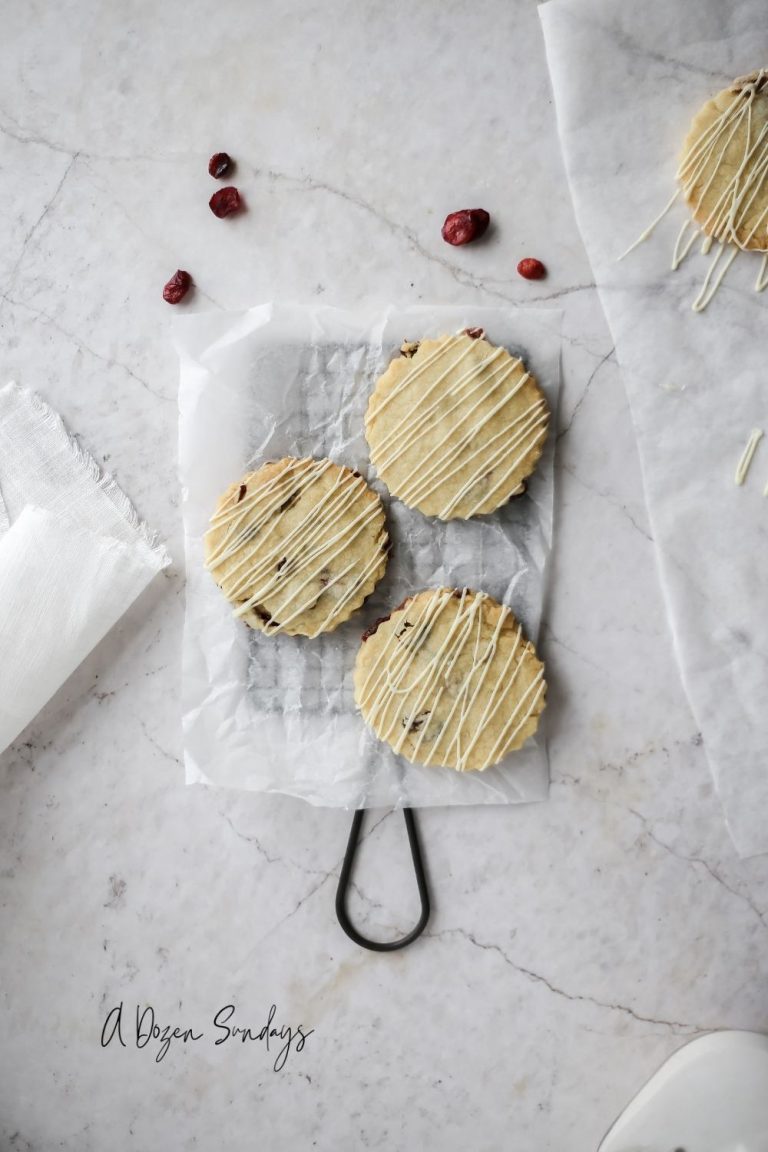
[
  {"x": 374, "y": 628},
  {"x": 225, "y": 202},
  {"x": 474, "y": 333},
  {"x": 417, "y": 722},
  {"x": 383, "y": 619},
  {"x": 219, "y": 164},
  {"x": 177, "y": 287},
  {"x": 531, "y": 269},
  {"x": 465, "y": 226}
]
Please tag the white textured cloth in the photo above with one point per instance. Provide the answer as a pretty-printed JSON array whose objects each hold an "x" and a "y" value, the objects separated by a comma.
[
  {"x": 628, "y": 78},
  {"x": 73, "y": 556}
]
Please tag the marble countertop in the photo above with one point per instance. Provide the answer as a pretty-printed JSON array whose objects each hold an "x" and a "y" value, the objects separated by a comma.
[{"x": 573, "y": 944}]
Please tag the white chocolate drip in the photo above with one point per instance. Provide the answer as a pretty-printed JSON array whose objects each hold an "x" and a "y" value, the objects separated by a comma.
[
  {"x": 742, "y": 468},
  {"x": 316, "y": 542},
  {"x": 762, "y": 275},
  {"x": 648, "y": 232},
  {"x": 711, "y": 281},
  {"x": 681, "y": 250},
  {"x": 395, "y": 710},
  {"x": 731, "y": 210},
  {"x": 465, "y": 396}
]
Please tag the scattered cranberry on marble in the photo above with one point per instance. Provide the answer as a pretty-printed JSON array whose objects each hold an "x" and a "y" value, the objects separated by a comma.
[
  {"x": 531, "y": 269},
  {"x": 177, "y": 287},
  {"x": 219, "y": 164},
  {"x": 465, "y": 226},
  {"x": 225, "y": 202}
]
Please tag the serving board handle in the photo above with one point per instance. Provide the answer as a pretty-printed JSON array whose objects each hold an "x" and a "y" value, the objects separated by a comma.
[{"x": 344, "y": 880}]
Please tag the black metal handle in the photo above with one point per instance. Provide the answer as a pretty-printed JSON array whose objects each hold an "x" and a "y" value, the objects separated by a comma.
[{"x": 346, "y": 872}]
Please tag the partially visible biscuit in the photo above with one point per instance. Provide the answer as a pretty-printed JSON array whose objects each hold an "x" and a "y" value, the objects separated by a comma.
[
  {"x": 724, "y": 166},
  {"x": 449, "y": 679},
  {"x": 297, "y": 545},
  {"x": 455, "y": 426}
]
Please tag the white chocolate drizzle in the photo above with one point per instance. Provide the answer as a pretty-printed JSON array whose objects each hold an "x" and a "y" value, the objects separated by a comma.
[
  {"x": 762, "y": 275},
  {"x": 731, "y": 210},
  {"x": 465, "y": 395},
  {"x": 742, "y": 468},
  {"x": 396, "y": 704},
  {"x": 306, "y": 555}
]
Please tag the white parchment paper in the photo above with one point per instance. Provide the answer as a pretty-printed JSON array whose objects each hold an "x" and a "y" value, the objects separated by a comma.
[
  {"x": 277, "y": 713},
  {"x": 73, "y": 556},
  {"x": 628, "y": 78}
]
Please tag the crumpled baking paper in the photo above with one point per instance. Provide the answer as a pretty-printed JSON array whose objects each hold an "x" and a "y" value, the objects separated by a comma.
[
  {"x": 628, "y": 79},
  {"x": 73, "y": 556},
  {"x": 277, "y": 714}
]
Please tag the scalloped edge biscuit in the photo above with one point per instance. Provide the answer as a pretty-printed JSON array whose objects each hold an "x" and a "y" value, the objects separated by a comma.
[
  {"x": 455, "y": 426},
  {"x": 448, "y": 678},
  {"x": 297, "y": 545},
  {"x": 722, "y": 172}
]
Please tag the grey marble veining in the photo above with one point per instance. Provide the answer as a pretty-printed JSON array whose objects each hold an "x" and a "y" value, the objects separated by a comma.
[
  {"x": 694, "y": 378},
  {"x": 574, "y": 944}
]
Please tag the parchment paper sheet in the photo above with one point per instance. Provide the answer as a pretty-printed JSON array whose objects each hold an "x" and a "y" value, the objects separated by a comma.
[
  {"x": 73, "y": 556},
  {"x": 277, "y": 714},
  {"x": 628, "y": 78}
]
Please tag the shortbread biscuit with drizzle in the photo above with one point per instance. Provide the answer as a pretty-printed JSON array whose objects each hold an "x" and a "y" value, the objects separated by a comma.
[
  {"x": 455, "y": 426},
  {"x": 449, "y": 679},
  {"x": 297, "y": 546},
  {"x": 724, "y": 168}
]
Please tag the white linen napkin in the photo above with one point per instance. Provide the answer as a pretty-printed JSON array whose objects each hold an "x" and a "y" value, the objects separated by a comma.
[
  {"x": 73, "y": 556},
  {"x": 628, "y": 79}
]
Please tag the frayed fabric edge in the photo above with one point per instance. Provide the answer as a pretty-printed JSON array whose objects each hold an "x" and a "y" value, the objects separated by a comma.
[{"x": 94, "y": 472}]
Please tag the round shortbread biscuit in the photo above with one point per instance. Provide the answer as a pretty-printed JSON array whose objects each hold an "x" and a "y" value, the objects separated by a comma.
[
  {"x": 455, "y": 426},
  {"x": 297, "y": 545},
  {"x": 449, "y": 679},
  {"x": 724, "y": 167}
]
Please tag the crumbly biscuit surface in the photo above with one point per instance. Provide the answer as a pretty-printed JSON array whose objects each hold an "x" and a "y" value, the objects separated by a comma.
[
  {"x": 297, "y": 545},
  {"x": 724, "y": 167},
  {"x": 450, "y": 679},
  {"x": 455, "y": 426}
]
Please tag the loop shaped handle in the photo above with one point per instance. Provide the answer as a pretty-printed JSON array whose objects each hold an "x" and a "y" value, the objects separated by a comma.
[{"x": 344, "y": 881}]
